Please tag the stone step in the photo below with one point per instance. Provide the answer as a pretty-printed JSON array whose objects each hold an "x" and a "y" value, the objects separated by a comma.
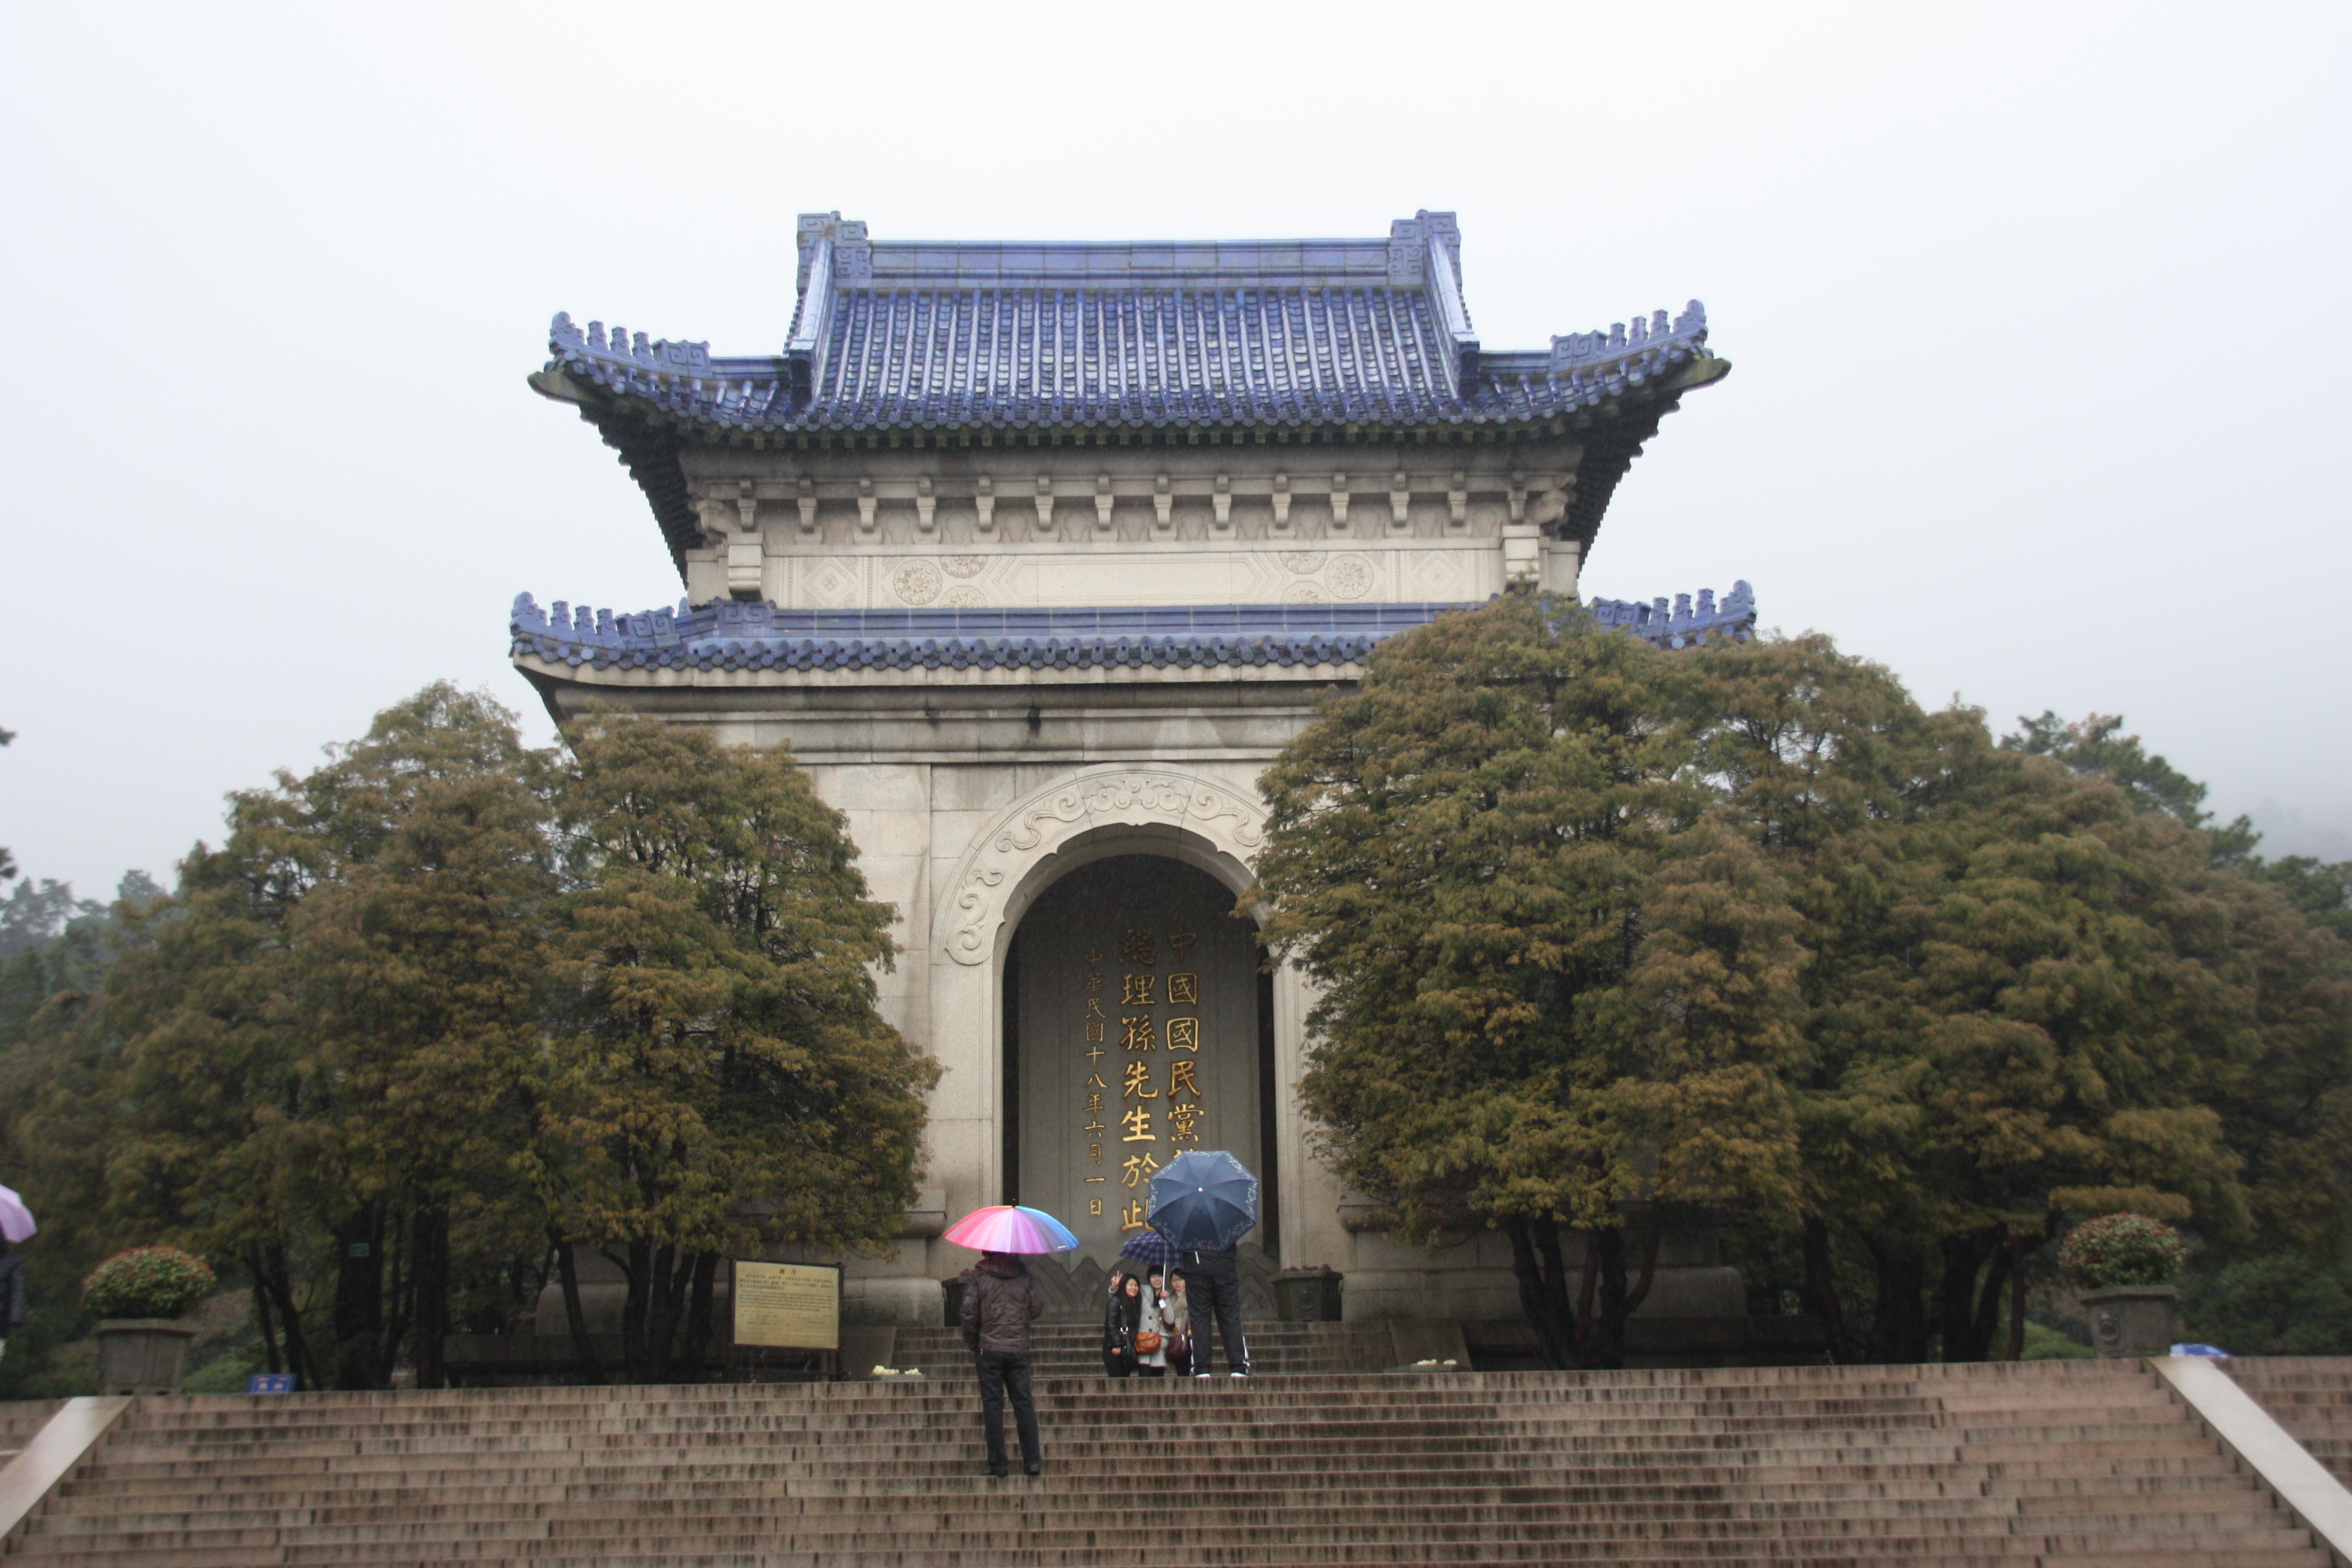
[{"x": 1950, "y": 1468}]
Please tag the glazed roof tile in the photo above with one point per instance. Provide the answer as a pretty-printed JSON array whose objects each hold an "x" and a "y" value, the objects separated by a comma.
[
  {"x": 921, "y": 336},
  {"x": 733, "y": 634}
]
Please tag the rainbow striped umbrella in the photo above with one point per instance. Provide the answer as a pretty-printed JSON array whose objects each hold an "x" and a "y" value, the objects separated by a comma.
[{"x": 1012, "y": 1227}]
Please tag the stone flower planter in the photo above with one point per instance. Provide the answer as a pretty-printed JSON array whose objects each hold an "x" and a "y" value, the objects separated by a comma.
[
  {"x": 2129, "y": 1320},
  {"x": 143, "y": 1355},
  {"x": 1306, "y": 1296}
]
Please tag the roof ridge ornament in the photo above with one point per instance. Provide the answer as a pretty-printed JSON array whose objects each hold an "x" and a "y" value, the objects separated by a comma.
[{"x": 1686, "y": 624}]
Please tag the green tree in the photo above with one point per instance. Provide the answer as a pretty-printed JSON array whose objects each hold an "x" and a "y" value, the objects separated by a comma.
[
  {"x": 721, "y": 1076},
  {"x": 2093, "y": 745},
  {"x": 329, "y": 1045},
  {"x": 1558, "y": 991},
  {"x": 2032, "y": 991}
]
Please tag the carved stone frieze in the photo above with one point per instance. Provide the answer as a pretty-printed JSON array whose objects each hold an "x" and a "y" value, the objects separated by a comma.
[{"x": 1229, "y": 819}]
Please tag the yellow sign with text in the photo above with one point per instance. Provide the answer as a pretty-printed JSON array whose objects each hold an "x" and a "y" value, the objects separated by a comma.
[{"x": 789, "y": 1305}]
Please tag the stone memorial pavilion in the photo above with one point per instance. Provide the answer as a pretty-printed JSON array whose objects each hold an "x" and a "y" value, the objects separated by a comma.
[{"x": 1035, "y": 554}]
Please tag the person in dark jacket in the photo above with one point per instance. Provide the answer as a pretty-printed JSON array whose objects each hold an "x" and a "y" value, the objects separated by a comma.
[
  {"x": 1213, "y": 1281},
  {"x": 12, "y": 1293},
  {"x": 1122, "y": 1315},
  {"x": 1000, "y": 1302}
]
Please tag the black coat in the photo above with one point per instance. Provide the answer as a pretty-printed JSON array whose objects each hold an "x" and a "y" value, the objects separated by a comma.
[
  {"x": 12, "y": 1291},
  {"x": 1119, "y": 1335},
  {"x": 1000, "y": 1301}
]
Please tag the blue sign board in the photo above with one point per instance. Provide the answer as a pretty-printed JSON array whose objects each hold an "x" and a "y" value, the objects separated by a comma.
[{"x": 270, "y": 1383}]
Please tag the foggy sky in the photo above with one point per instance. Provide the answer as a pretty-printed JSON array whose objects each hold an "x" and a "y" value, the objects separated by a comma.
[{"x": 2035, "y": 314}]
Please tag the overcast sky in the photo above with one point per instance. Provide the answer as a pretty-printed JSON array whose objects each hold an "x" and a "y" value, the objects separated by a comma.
[{"x": 2037, "y": 315}]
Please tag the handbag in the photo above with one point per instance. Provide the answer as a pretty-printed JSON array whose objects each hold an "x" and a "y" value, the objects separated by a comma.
[{"x": 1146, "y": 1342}]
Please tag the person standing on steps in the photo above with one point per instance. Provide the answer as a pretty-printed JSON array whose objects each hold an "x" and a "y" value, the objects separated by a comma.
[
  {"x": 12, "y": 1293},
  {"x": 1213, "y": 1281},
  {"x": 1122, "y": 1321},
  {"x": 1152, "y": 1338},
  {"x": 1000, "y": 1302},
  {"x": 1176, "y": 1323}
]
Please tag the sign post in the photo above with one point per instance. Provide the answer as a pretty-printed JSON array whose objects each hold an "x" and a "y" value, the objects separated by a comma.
[{"x": 788, "y": 1306}]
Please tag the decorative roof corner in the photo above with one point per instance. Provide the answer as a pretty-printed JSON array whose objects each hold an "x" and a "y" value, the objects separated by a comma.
[{"x": 1684, "y": 624}]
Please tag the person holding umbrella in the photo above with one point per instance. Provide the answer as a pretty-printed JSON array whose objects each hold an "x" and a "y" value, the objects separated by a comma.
[
  {"x": 15, "y": 1226},
  {"x": 1202, "y": 1204},
  {"x": 1000, "y": 1302}
]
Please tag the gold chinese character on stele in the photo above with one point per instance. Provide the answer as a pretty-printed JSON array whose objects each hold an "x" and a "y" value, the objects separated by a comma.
[
  {"x": 1179, "y": 940},
  {"x": 1138, "y": 947},
  {"x": 1183, "y": 990},
  {"x": 1139, "y": 1082},
  {"x": 1094, "y": 1206},
  {"x": 1140, "y": 1034},
  {"x": 1184, "y": 1035},
  {"x": 1135, "y": 1168},
  {"x": 1131, "y": 1217},
  {"x": 1138, "y": 1122},
  {"x": 1139, "y": 991},
  {"x": 1182, "y": 1119},
  {"x": 1180, "y": 1080}
]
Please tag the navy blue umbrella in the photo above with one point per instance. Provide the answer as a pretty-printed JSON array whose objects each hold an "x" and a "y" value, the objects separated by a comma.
[
  {"x": 1148, "y": 1247},
  {"x": 1203, "y": 1201}
]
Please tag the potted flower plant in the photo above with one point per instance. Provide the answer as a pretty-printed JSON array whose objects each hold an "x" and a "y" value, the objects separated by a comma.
[
  {"x": 2120, "y": 1265},
  {"x": 140, "y": 1298}
]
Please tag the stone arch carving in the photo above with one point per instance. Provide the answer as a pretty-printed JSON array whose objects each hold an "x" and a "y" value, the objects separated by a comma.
[{"x": 1097, "y": 802}]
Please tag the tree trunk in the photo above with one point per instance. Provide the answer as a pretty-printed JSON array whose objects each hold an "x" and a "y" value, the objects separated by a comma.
[
  {"x": 261, "y": 1313},
  {"x": 1996, "y": 1279},
  {"x": 1543, "y": 1298},
  {"x": 2016, "y": 1298},
  {"x": 635, "y": 1311},
  {"x": 661, "y": 1316},
  {"x": 1960, "y": 1326},
  {"x": 298, "y": 1357},
  {"x": 358, "y": 1318},
  {"x": 1898, "y": 1323},
  {"x": 1603, "y": 1334},
  {"x": 431, "y": 1272},
  {"x": 701, "y": 1309},
  {"x": 1821, "y": 1289},
  {"x": 575, "y": 1317}
]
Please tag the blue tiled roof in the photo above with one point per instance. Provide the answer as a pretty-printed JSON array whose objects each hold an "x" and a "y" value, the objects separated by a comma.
[
  {"x": 731, "y": 635},
  {"x": 906, "y": 337}
]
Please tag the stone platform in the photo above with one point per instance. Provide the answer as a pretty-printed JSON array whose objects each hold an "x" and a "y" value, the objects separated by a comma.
[{"x": 2087, "y": 1464}]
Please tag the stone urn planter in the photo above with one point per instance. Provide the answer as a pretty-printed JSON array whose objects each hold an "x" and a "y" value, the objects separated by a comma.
[
  {"x": 2131, "y": 1320},
  {"x": 1306, "y": 1296},
  {"x": 143, "y": 1355}
]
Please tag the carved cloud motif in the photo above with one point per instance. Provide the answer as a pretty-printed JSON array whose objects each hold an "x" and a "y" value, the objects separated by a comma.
[{"x": 1039, "y": 826}]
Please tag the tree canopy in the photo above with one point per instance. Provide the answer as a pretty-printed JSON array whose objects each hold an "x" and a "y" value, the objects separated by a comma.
[
  {"x": 443, "y": 1008},
  {"x": 1606, "y": 933}
]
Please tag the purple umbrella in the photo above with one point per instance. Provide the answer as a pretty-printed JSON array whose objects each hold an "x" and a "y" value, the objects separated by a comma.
[
  {"x": 1148, "y": 1248},
  {"x": 15, "y": 1219}
]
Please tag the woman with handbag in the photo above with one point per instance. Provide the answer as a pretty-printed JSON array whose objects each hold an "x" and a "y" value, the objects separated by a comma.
[
  {"x": 1152, "y": 1328},
  {"x": 1122, "y": 1321},
  {"x": 1175, "y": 1328}
]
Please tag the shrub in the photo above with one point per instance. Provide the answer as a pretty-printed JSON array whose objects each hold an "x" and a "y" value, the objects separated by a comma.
[
  {"x": 2120, "y": 1249},
  {"x": 2275, "y": 1305},
  {"x": 147, "y": 1282}
]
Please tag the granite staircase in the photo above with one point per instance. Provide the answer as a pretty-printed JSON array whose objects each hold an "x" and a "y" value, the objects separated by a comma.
[
  {"x": 2091, "y": 1465},
  {"x": 1071, "y": 1350},
  {"x": 2311, "y": 1396}
]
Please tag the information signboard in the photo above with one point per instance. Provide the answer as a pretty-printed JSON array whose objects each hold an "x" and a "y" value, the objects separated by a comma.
[{"x": 789, "y": 1306}]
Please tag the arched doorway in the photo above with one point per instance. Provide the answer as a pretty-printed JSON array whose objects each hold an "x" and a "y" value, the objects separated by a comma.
[{"x": 1137, "y": 1025}]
